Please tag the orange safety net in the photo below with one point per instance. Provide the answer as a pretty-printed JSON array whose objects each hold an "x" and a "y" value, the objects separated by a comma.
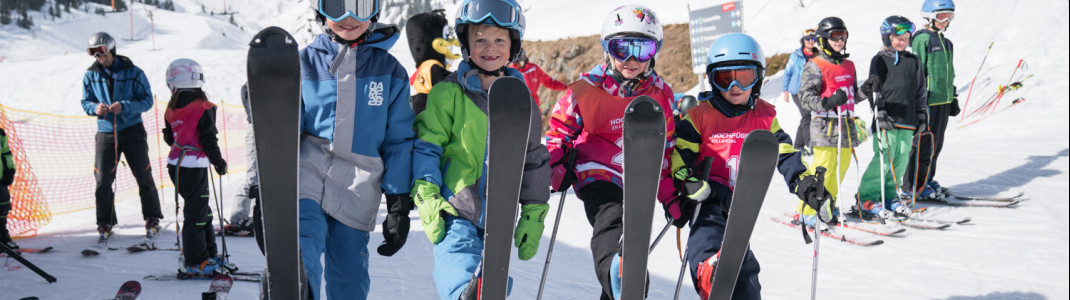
[{"x": 55, "y": 156}]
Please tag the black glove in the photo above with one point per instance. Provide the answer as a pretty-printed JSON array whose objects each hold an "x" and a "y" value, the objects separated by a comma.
[
  {"x": 873, "y": 84},
  {"x": 884, "y": 121},
  {"x": 809, "y": 191},
  {"x": 8, "y": 177},
  {"x": 923, "y": 122},
  {"x": 220, "y": 167},
  {"x": 955, "y": 109},
  {"x": 837, "y": 99},
  {"x": 254, "y": 192},
  {"x": 687, "y": 210},
  {"x": 396, "y": 225}
]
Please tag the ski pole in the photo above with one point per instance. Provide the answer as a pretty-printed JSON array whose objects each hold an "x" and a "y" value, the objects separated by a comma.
[
  {"x": 570, "y": 163},
  {"x": 706, "y": 164},
  {"x": 820, "y": 174},
  {"x": 975, "y": 79},
  {"x": 15, "y": 254},
  {"x": 658, "y": 238},
  {"x": 217, "y": 194},
  {"x": 1001, "y": 90}
]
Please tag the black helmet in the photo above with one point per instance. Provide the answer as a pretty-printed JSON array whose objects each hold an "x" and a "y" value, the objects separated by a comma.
[
  {"x": 895, "y": 25},
  {"x": 828, "y": 24}
]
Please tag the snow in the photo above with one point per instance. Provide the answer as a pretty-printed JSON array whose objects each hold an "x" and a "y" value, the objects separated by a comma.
[{"x": 1014, "y": 253}]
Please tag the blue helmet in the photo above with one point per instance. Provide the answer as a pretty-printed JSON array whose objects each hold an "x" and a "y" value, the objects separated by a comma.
[
  {"x": 735, "y": 47},
  {"x": 931, "y": 7},
  {"x": 895, "y": 25},
  {"x": 505, "y": 14}
]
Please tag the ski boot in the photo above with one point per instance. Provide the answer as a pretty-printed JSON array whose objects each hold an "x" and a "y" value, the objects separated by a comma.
[
  {"x": 942, "y": 191},
  {"x": 152, "y": 227},
  {"x": 208, "y": 268},
  {"x": 705, "y": 275},
  {"x": 899, "y": 210},
  {"x": 225, "y": 264},
  {"x": 104, "y": 231},
  {"x": 471, "y": 292}
]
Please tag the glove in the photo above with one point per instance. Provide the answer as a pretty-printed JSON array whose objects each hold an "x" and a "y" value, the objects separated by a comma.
[
  {"x": 529, "y": 229},
  {"x": 873, "y": 84},
  {"x": 807, "y": 190},
  {"x": 923, "y": 122},
  {"x": 396, "y": 225},
  {"x": 8, "y": 177},
  {"x": 837, "y": 99},
  {"x": 954, "y": 110},
  {"x": 563, "y": 175},
  {"x": 884, "y": 121},
  {"x": 431, "y": 206},
  {"x": 685, "y": 206},
  {"x": 689, "y": 186},
  {"x": 220, "y": 167}
]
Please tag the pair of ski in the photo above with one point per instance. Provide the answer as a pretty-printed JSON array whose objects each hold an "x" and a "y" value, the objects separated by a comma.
[
  {"x": 218, "y": 289},
  {"x": 951, "y": 199}
]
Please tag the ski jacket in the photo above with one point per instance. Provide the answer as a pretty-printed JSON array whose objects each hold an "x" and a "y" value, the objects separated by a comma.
[
  {"x": 589, "y": 119},
  {"x": 7, "y": 163},
  {"x": 793, "y": 71},
  {"x": 937, "y": 54},
  {"x": 356, "y": 124},
  {"x": 122, "y": 82},
  {"x": 534, "y": 76},
  {"x": 451, "y": 148},
  {"x": 189, "y": 129},
  {"x": 822, "y": 76},
  {"x": 709, "y": 131},
  {"x": 902, "y": 90}
]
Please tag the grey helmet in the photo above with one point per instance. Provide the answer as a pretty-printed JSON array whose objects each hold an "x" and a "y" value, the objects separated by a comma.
[{"x": 102, "y": 39}]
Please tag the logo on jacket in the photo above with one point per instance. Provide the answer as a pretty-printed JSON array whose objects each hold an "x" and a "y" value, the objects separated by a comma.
[{"x": 375, "y": 93}]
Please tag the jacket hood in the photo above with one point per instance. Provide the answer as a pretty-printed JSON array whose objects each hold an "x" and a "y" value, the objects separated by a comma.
[{"x": 383, "y": 36}]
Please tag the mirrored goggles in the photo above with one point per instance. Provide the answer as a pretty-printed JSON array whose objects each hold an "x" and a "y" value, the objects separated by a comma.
[
  {"x": 337, "y": 10},
  {"x": 945, "y": 16},
  {"x": 809, "y": 38},
  {"x": 742, "y": 76},
  {"x": 477, "y": 12},
  {"x": 98, "y": 51},
  {"x": 899, "y": 29},
  {"x": 621, "y": 49},
  {"x": 838, "y": 35}
]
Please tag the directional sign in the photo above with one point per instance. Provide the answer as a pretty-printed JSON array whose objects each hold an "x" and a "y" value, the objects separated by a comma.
[{"x": 708, "y": 24}]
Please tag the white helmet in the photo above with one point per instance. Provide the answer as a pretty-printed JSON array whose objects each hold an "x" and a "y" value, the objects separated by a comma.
[
  {"x": 635, "y": 19},
  {"x": 184, "y": 73}
]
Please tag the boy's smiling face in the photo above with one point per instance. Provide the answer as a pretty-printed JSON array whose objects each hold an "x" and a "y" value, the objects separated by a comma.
[
  {"x": 349, "y": 28},
  {"x": 488, "y": 46}
]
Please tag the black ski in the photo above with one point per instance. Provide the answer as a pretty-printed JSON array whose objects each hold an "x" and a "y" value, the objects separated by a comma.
[
  {"x": 644, "y": 149},
  {"x": 509, "y": 114},
  {"x": 757, "y": 161},
  {"x": 274, "y": 95}
]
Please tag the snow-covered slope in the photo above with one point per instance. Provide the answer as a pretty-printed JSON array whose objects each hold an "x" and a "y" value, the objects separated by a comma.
[{"x": 1018, "y": 253}]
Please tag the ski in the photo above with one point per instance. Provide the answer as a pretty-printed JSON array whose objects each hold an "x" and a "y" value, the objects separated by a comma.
[
  {"x": 509, "y": 111},
  {"x": 834, "y": 234},
  {"x": 920, "y": 223},
  {"x": 1014, "y": 198},
  {"x": 219, "y": 288},
  {"x": 998, "y": 203},
  {"x": 757, "y": 161},
  {"x": 34, "y": 250},
  {"x": 644, "y": 149},
  {"x": 172, "y": 276},
  {"x": 864, "y": 226},
  {"x": 275, "y": 98},
  {"x": 97, "y": 249},
  {"x": 129, "y": 290}
]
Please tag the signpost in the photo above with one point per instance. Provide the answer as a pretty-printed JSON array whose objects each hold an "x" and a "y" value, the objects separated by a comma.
[{"x": 708, "y": 24}]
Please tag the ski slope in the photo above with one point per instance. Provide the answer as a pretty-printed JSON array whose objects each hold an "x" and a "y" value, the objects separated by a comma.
[{"x": 1014, "y": 253}]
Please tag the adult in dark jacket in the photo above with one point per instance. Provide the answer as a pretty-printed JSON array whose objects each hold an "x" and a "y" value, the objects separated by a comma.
[{"x": 117, "y": 92}]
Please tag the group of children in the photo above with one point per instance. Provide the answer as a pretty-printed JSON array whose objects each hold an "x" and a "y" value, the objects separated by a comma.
[{"x": 361, "y": 139}]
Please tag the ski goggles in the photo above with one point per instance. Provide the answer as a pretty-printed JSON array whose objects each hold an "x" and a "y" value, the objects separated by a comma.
[
  {"x": 724, "y": 78},
  {"x": 621, "y": 49},
  {"x": 500, "y": 12},
  {"x": 945, "y": 16},
  {"x": 810, "y": 38},
  {"x": 337, "y": 10},
  {"x": 98, "y": 51},
  {"x": 838, "y": 35},
  {"x": 898, "y": 29}
]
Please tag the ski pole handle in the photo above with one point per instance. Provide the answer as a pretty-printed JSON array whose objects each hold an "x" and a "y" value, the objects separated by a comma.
[{"x": 820, "y": 174}]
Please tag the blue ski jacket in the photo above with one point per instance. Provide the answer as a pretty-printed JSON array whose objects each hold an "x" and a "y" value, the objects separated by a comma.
[
  {"x": 356, "y": 123},
  {"x": 793, "y": 71},
  {"x": 122, "y": 82}
]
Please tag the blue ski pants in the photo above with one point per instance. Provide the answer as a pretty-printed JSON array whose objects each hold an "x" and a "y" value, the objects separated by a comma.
[
  {"x": 345, "y": 266},
  {"x": 457, "y": 257}
]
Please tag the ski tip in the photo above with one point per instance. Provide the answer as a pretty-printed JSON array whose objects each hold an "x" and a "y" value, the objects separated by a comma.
[
  {"x": 273, "y": 32},
  {"x": 642, "y": 103},
  {"x": 129, "y": 290}
]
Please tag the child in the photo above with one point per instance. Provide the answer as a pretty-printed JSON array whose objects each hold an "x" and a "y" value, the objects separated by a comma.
[
  {"x": 897, "y": 86},
  {"x": 936, "y": 53},
  {"x": 828, "y": 92},
  {"x": 587, "y": 120},
  {"x": 792, "y": 73},
  {"x": 7, "y": 177},
  {"x": 191, "y": 133},
  {"x": 355, "y": 145},
  {"x": 716, "y": 128},
  {"x": 449, "y": 158}
]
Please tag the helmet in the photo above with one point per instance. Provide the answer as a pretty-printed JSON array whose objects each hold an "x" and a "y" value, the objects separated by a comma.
[
  {"x": 895, "y": 25},
  {"x": 632, "y": 19},
  {"x": 336, "y": 10},
  {"x": 521, "y": 57},
  {"x": 184, "y": 73},
  {"x": 824, "y": 29},
  {"x": 930, "y": 8},
  {"x": 736, "y": 49},
  {"x": 102, "y": 39},
  {"x": 505, "y": 14}
]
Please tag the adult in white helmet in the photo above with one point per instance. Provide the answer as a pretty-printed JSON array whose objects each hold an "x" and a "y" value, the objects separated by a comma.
[
  {"x": 593, "y": 107},
  {"x": 190, "y": 131},
  {"x": 117, "y": 92}
]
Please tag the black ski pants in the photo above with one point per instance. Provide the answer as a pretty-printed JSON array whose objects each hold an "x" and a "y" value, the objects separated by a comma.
[
  {"x": 604, "y": 205},
  {"x": 705, "y": 239},
  {"x": 132, "y": 143},
  {"x": 927, "y": 146},
  {"x": 198, "y": 236},
  {"x": 802, "y": 134},
  {"x": 5, "y": 207}
]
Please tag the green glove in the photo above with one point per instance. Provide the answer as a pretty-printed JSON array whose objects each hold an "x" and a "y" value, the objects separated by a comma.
[
  {"x": 431, "y": 205},
  {"x": 529, "y": 229}
]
